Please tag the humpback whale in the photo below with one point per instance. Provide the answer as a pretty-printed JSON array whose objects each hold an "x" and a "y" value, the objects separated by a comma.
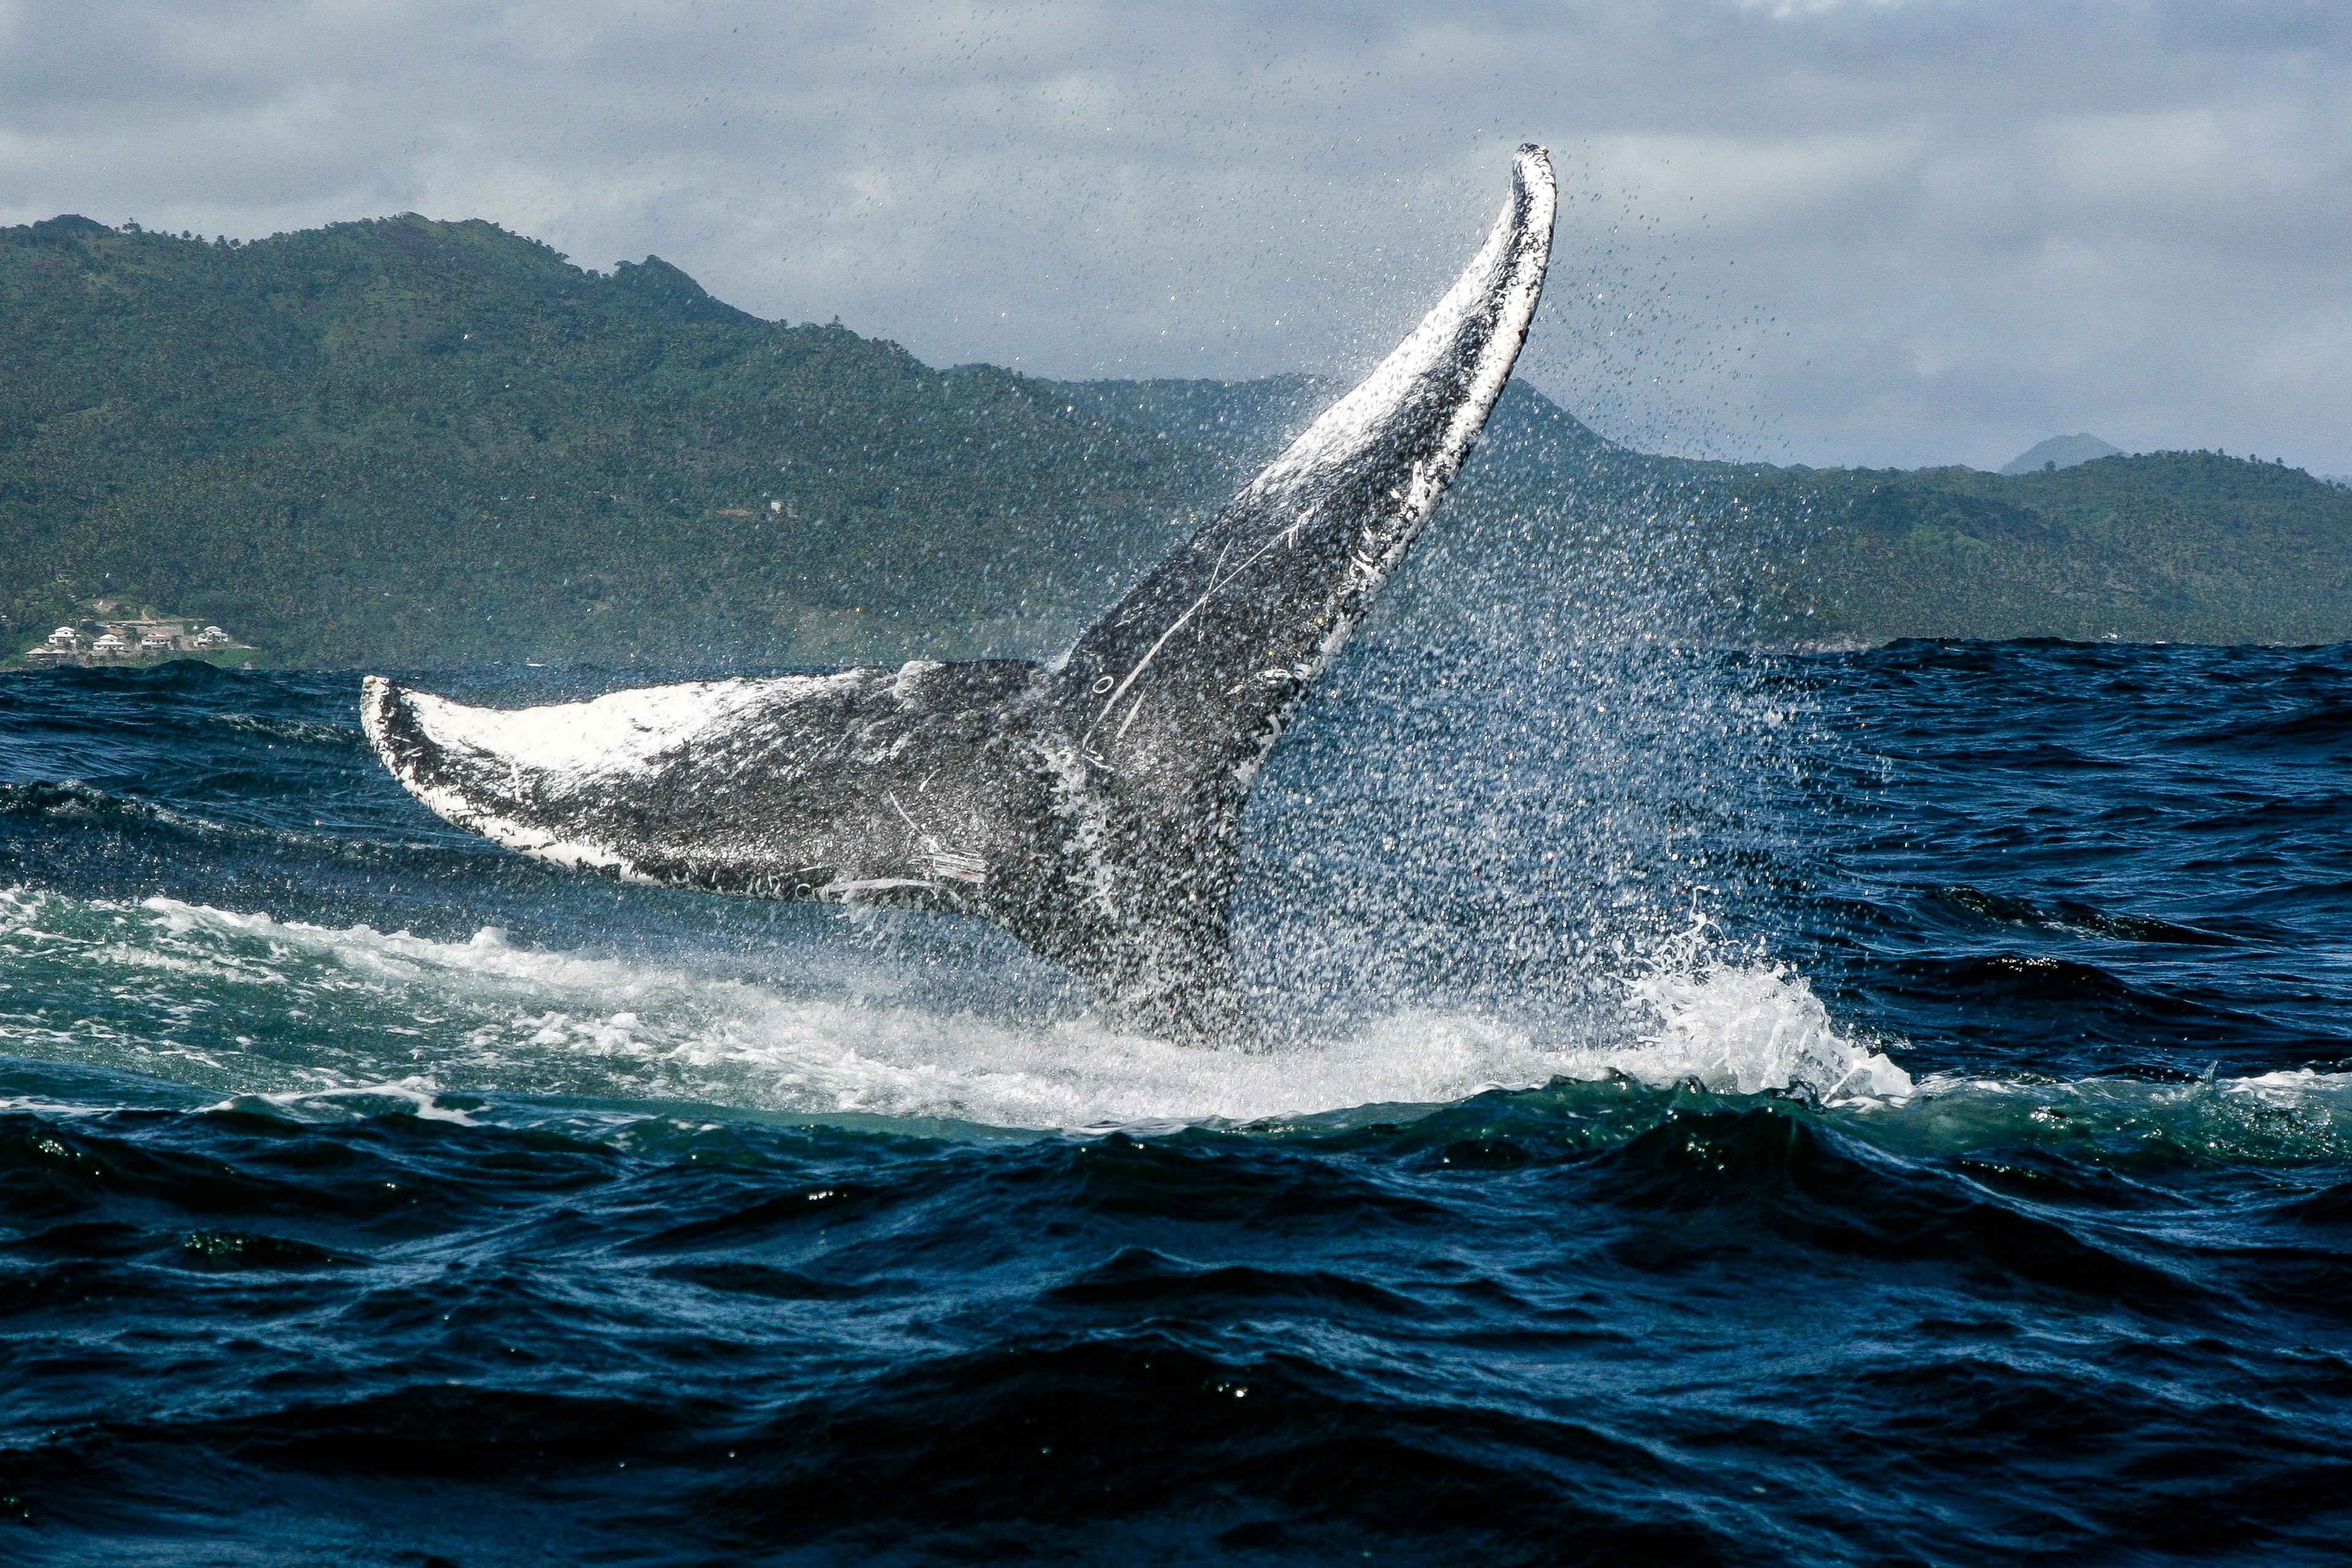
[{"x": 1089, "y": 805}]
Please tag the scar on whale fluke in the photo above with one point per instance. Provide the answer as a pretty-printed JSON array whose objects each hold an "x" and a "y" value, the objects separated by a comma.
[{"x": 1088, "y": 806}]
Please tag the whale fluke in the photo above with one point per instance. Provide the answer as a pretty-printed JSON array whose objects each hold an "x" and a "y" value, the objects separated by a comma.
[{"x": 1089, "y": 805}]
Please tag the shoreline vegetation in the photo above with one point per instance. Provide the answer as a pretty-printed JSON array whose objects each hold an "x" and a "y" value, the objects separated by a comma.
[{"x": 413, "y": 444}]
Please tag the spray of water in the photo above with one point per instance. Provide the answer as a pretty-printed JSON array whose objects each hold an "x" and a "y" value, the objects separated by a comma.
[
  {"x": 243, "y": 1003},
  {"x": 312, "y": 1021}
]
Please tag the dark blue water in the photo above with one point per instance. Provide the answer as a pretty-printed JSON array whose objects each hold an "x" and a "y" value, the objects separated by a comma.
[{"x": 1881, "y": 1107}]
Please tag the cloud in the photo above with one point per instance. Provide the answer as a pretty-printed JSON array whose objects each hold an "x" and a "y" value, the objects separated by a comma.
[{"x": 1893, "y": 233}]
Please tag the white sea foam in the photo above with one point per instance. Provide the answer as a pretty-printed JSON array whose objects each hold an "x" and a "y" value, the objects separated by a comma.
[
  {"x": 415, "y": 1096},
  {"x": 354, "y": 1021},
  {"x": 1744, "y": 1028},
  {"x": 519, "y": 1017}
]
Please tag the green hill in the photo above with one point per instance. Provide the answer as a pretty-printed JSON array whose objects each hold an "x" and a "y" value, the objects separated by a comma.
[
  {"x": 2176, "y": 546},
  {"x": 2172, "y": 546},
  {"x": 412, "y": 443}
]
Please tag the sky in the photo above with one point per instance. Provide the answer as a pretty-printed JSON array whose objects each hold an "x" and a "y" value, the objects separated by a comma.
[{"x": 1887, "y": 232}]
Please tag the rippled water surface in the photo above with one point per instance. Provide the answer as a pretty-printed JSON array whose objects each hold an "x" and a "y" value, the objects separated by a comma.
[{"x": 1876, "y": 1107}]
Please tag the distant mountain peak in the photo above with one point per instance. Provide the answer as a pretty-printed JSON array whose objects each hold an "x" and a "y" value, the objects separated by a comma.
[
  {"x": 670, "y": 292},
  {"x": 2061, "y": 452}
]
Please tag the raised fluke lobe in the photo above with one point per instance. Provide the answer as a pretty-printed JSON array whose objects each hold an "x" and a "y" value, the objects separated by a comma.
[{"x": 1089, "y": 807}]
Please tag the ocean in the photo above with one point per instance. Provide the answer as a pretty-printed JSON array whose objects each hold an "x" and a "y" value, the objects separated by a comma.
[{"x": 1881, "y": 1107}]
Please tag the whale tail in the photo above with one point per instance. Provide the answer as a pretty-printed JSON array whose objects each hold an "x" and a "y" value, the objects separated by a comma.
[{"x": 1090, "y": 805}]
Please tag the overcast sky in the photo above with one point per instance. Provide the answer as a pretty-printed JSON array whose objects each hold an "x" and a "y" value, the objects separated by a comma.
[{"x": 1824, "y": 231}]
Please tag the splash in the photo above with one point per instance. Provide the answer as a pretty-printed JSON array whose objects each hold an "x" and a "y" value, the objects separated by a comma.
[
  {"x": 285, "y": 1011},
  {"x": 1744, "y": 1029},
  {"x": 312, "y": 1021}
]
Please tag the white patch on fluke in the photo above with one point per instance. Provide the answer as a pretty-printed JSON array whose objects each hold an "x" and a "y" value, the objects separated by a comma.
[
  {"x": 567, "y": 747},
  {"x": 620, "y": 735},
  {"x": 1349, "y": 425}
]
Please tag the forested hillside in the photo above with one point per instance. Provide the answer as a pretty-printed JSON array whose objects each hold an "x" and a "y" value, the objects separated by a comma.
[
  {"x": 416, "y": 442},
  {"x": 408, "y": 443},
  {"x": 2176, "y": 546}
]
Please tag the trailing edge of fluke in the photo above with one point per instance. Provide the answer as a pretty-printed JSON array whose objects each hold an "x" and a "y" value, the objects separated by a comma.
[{"x": 1087, "y": 805}]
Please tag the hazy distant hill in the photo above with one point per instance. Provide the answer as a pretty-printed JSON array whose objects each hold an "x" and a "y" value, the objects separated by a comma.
[
  {"x": 2061, "y": 452},
  {"x": 408, "y": 443},
  {"x": 2179, "y": 546}
]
